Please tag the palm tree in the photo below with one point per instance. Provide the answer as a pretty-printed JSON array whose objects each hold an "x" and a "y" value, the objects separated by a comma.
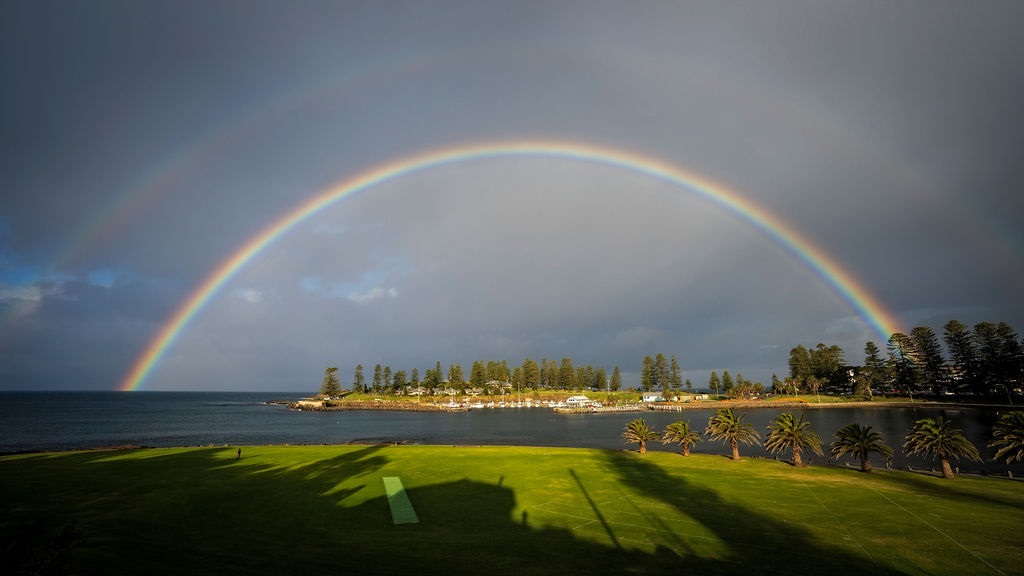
[
  {"x": 936, "y": 436},
  {"x": 1008, "y": 436},
  {"x": 859, "y": 441},
  {"x": 681, "y": 433},
  {"x": 637, "y": 432},
  {"x": 792, "y": 432},
  {"x": 725, "y": 425}
]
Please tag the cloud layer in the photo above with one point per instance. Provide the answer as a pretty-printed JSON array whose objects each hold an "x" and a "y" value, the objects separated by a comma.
[{"x": 134, "y": 162}]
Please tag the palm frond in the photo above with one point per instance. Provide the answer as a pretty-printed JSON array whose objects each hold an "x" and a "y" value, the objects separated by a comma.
[{"x": 1008, "y": 437}]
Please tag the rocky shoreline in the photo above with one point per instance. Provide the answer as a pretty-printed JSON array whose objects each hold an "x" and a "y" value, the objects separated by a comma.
[
  {"x": 406, "y": 406},
  {"x": 383, "y": 405}
]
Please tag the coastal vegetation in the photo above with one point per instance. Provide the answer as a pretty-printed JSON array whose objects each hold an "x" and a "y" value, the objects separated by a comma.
[
  {"x": 638, "y": 432},
  {"x": 322, "y": 509},
  {"x": 860, "y": 442},
  {"x": 793, "y": 433},
  {"x": 1008, "y": 437},
  {"x": 680, "y": 433},
  {"x": 934, "y": 437},
  {"x": 985, "y": 362},
  {"x": 728, "y": 426},
  {"x": 938, "y": 438}
]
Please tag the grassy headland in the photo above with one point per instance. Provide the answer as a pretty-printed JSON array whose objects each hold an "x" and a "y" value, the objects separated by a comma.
[{"x": 501, "y": 510}]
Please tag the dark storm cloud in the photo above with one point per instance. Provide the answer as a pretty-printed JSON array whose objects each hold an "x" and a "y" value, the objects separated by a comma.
[{"x": 148, "y": 141}]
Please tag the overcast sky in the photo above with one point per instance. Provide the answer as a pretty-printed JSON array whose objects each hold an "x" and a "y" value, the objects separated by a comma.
[{"x": 142, "y": 143}]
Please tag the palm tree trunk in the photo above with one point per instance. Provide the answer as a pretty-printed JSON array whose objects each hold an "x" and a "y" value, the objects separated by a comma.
[
  {"x": 643, "y": 447},
  {"x": 797, "y": 461},
  {"x": 686, "y": 450},
  {"x": 947, "y": 472},
  {"x": 735, "y": 449},
  {"x": 865, "y": 464}
]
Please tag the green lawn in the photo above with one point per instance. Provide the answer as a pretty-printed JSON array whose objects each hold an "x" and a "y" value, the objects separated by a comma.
[{"x": 497, "y": 510}]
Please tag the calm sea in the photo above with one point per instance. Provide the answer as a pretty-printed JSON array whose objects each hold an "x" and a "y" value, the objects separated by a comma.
[{"x": 34, "y": 421}]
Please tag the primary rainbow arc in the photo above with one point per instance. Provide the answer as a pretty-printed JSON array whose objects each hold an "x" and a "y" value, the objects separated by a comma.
[{"x": 860, "y": 300}]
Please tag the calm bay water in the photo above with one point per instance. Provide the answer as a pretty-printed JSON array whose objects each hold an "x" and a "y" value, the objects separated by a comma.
[{"x": 75, "y": 420}]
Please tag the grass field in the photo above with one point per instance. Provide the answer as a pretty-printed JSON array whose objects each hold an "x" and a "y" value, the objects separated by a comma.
[{"x": 498, "y": 510}]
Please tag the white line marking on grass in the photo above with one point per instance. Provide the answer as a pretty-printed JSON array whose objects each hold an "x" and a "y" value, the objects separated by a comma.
[
  {"x": 841, "y": 524},
  {"x": 574, "y": 528},
  {"x": 930, "y": 525}
]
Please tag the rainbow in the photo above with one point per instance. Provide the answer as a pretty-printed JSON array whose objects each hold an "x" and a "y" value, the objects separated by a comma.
[{"x": 862, "y": 302}]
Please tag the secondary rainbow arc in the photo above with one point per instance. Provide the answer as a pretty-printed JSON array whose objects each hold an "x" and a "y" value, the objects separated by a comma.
[{"x": 857, "y": 297}]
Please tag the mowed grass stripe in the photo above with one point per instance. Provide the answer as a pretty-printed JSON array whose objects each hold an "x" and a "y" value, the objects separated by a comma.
[{"x": 402, "y": 511}]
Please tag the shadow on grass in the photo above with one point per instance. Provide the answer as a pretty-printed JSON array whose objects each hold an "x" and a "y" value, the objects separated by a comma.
[
  {"x": 194, "y": 511},
  {"x": 756, "y": 542},
  {"x": 202, "y": 512},
  {"x": 935, "y": 485}
]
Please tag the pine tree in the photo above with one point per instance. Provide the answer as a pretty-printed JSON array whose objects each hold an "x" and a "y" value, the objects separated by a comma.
[
  {"x": 377, "y": 378},
  {"x": 616, "y": 384},
  {"x": 386, "y": 382},
  {"x": 600, "y": 378},
  {"x": 531, "y": 374},
  {"x": 689, "y": 385},
  {"x": 477, "y": 374},
  {"x": 1011, "y": 356},
  {"x": 660, "y": 373},
  {"x": 727, "y": 383},
  {"x": 566, "y": 375},
  {"x": 399, "y": 384},
  {"x": 928, "y": 357},
  {"x": 358, "y": 382},
  {"x": 874, "y": 369},
  {"x": 330, "y": 387},
  {"x": 713, "y": 382},
  {"x": 675, "y": 375},
  {"x": 415, "y": 377},
  {"x": 647, "y": 374},
  {"x": 455, "y": 376},
  {"x": 963, "y": 355},
  {"x": 800, "y": 365},
  {"x": 901, "y": 362}
]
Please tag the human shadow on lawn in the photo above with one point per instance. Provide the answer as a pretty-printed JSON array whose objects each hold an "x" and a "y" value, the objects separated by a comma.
[{"x": 757, "y": 543}]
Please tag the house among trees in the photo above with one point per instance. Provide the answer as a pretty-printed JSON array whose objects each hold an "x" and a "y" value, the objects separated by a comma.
[{"x": 652, "y": 397}]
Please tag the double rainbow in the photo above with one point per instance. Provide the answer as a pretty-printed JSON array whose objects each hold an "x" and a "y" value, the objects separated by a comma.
[{"x": 859, "y": 299}]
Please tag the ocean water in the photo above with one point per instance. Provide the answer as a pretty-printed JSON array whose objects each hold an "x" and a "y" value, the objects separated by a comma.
[{"x": 42, "y": 421}]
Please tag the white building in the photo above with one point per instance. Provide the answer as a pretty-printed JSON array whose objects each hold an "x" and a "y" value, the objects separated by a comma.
[{"x": 578, "y": 401}]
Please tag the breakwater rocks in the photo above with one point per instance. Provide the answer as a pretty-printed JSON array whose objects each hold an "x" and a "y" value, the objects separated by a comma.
[
  {"x": 384, "y": 405},
  {"x": 591, "y": 409}
]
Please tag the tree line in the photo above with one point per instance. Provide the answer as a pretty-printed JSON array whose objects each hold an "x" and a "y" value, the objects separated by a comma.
[
  {"x": 488, "y": 375},
  {"x": 986, "y": 360},
  {"x": 936, "y": 437}
]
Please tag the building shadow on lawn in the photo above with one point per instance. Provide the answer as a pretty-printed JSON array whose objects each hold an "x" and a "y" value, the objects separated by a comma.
[
  {"x": 757, "y": 543},
  {"x": 468, "y": 527},
  {"x": 195, "y": 512}
]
